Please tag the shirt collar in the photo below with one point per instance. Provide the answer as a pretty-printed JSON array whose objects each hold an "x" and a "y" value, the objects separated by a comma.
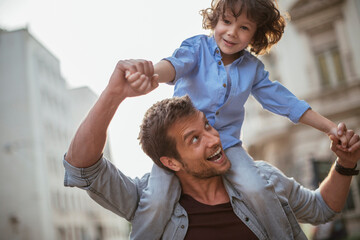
[{"x": 214, "y": 49}]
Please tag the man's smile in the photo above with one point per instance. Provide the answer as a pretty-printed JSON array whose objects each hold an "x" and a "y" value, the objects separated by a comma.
[{"x": 216, "y": 157}]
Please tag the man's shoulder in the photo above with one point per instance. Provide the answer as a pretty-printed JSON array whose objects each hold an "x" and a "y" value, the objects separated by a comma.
[
  {"x": 263, "y": 165},
  {"x": 268, "y": 170}
]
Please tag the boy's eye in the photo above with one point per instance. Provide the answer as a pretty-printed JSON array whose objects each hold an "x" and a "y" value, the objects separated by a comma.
[
  {"x": 244, "y": 28},
  {"x": 226, "y": 21}
]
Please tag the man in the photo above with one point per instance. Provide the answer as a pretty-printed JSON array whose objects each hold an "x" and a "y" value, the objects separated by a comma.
[{"x": 179, "y": 138}]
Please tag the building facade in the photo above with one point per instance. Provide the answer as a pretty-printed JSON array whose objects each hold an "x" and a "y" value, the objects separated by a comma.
[
  {"x": 318, "y": 59},
  {"x": 39, "y": 116}
]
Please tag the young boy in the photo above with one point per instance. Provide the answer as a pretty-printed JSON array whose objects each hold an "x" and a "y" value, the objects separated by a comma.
[{"x": 219, "y": 74}]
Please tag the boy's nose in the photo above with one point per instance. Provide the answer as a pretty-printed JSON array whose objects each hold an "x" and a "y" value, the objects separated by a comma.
[{"x": 231, "y": 32}]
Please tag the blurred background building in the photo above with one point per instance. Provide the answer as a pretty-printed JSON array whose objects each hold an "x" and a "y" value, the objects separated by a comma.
[
  {"x": 318, "y": 59},
  {"x": 39, "y": 116}
]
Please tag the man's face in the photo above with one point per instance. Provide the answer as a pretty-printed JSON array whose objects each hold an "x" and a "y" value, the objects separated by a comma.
[{"x": 199, "y": 147}]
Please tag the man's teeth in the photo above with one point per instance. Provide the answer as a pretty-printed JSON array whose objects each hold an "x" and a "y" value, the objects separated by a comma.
[{"x": 216, "y": 154}]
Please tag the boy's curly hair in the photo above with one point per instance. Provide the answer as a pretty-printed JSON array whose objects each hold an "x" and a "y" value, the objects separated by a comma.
[{"x": 270, "y": 23}]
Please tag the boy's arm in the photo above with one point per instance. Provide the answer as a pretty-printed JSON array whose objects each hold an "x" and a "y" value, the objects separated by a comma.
[
  {"x": 165, "y": 70},
  {"x": 323, "y": 124}
]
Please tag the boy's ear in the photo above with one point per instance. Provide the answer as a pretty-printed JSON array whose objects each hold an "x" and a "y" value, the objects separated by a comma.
[{"x": 171, "y": 163}]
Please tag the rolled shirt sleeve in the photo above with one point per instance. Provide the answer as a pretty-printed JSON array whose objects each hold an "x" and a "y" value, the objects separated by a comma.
[
  {"x": 307, "y": 205},
  {"x": 107, "y": 186},
  {"x": 185, "y": 58}
]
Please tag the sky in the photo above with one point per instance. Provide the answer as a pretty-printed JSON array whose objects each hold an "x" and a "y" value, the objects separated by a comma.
[{"x": 90, "y": 36}]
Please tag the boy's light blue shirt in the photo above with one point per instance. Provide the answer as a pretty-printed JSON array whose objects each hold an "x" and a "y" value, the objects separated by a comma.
[{"x": 201, "y": 74}]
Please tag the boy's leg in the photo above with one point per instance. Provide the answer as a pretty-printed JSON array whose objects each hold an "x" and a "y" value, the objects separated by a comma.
[
  {"x": 258, "y": 192},
  {"x": 156, "y": 205}
]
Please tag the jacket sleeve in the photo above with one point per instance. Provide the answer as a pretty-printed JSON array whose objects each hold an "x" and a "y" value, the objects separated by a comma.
[
  {"x": 108, "y": 186},
  {"x": 307, "y": 205}
]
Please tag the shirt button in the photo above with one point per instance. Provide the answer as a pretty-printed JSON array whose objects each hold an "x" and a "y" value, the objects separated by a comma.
[
  {"x": 182, "y": 226},
  {"x": 224, "y": 85},
  {"x": 246, "y": 219},
  {"x": 217, "y": 113},
  {"x": 217, "y": 50},
  {"x": 219, "y": 62}
]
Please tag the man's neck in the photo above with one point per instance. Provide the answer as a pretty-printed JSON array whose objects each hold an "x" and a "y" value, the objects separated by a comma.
[{"x": 210, "y": 191}]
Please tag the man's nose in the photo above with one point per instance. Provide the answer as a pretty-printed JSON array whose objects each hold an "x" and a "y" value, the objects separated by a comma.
[{"x": 213, "y": 138}]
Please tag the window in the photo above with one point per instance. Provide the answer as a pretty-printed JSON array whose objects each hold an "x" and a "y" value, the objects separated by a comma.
[
  {"x": 61, "y": 235},
  {"x": 330, "y": 67}
]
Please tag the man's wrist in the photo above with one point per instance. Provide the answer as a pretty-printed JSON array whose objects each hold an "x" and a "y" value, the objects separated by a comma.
[
  {"x": 345, "y": 164},
  {"x": 113, "y": 96},
  {"x": 348, "y": 169}
]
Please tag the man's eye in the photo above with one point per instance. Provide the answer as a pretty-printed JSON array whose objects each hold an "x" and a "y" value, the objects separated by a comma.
[{"x": 194, "y": 139}]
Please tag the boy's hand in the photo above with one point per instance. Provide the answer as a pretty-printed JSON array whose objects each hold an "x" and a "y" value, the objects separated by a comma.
[
  {"x": 122, "y": 83},
  {"x": 340, "y": 134},
  {"x": 140, "y": 82},
  {"x": 140, "y": 74}
]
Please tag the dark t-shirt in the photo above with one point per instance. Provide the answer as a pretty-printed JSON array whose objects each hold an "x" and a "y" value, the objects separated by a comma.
[{"x": 213, "y": 222}]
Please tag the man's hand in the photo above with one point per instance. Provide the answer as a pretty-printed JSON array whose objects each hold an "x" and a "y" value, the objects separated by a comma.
[
  {"x": 89, "y": 141},
  {"x": 335, "y": 187},
  {"x": 344, "y": 136},
  {"x": 340, "y": 133},
  {"x": 348, "y": 158},
  {"x": 133, "y": 78}
]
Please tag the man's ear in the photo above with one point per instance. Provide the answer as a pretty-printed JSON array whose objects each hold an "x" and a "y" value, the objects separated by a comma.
[{"x": 171, "y": 163}]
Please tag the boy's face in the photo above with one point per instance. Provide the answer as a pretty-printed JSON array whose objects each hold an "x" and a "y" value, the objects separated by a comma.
[{"x": 233, "y": 34}]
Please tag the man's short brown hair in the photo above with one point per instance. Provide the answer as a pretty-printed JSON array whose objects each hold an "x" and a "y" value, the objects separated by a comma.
[
  {"x": 153, "y": 136},
  {"x": 270, "y": 24}
]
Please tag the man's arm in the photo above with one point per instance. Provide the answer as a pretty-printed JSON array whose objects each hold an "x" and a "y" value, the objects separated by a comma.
[
  {"x": 88, "y": 143},
  {"x": 335, "y": 188}
]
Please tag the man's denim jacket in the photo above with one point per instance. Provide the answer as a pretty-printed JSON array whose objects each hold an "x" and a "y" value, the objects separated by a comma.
[{"x": 115, "y": 191}]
